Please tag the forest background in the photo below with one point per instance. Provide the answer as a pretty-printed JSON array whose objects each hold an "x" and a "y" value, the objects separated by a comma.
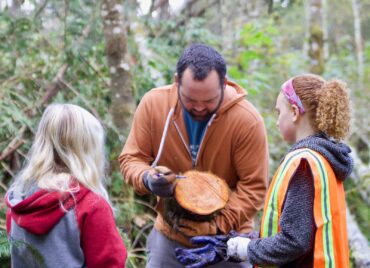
[{"x": 104, "y": 55}]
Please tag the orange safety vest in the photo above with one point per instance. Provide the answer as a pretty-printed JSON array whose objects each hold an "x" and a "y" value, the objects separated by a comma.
[{"x": 331, "y": 243}]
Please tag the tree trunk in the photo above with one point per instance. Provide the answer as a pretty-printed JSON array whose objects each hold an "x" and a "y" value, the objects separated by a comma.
[
  {"x": 325, "y": 29},
  {"x": 306, "y": 28},
  {"x": 358, "y": 42},
  {"x": 161, "y": 7},
  {"x": 316, "y": 37},
  {"x": 121, "y": 82},
  {"x": 15, "y": 8},
  {"x": 164, "y": 11}
]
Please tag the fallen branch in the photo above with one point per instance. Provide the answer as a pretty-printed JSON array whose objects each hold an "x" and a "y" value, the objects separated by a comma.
[
  {"x": 2, "y": 185},
  {"x": 11, "y": 148},
  {"x": 7, "y": 169},
  {"x": 358, "y": 243},
  {"x": 13, "y": 145}
]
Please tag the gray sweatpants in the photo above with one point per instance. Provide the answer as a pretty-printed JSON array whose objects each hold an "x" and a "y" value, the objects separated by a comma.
[{"x": 161, "y": 253}]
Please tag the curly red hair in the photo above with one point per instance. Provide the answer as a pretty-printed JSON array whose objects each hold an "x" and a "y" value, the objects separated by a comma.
[{"x": 327, "y": 103}]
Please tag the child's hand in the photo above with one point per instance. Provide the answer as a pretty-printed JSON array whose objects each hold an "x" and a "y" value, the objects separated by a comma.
[{"x": 237, "y": 248}]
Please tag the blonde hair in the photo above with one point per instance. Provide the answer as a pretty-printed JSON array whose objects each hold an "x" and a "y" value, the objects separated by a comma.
[
  {"x": 327, "y": 103},
  {"x": 69, "y": 144}
]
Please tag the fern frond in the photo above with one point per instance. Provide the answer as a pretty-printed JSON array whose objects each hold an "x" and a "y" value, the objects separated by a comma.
[{"x": 4, "y": 245}]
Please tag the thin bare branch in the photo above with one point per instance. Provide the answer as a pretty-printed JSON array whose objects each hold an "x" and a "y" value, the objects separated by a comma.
[
  {"x": 7, "y": 168},
  {"x": 191, "y": 13},
  {"x": 2, "y": 185},
  {"x": 99, "y": 74},
  {"x": 141, "y": 232},
  {"x": 75, "y": 91},
  {"x": 14, "y": 144},
  {"x": 10, "y": 149},
  {"x": 40, "y": 9}
]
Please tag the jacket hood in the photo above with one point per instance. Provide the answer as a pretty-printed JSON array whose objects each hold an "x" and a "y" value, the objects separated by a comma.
[
  {"x": 337, "y": 153},
  {"x": 233, "y": 94},
  {"x": 40, "y": 210}
]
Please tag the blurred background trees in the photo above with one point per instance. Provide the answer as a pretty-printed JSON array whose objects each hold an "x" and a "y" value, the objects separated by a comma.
[{"x": 104, "y": 55}]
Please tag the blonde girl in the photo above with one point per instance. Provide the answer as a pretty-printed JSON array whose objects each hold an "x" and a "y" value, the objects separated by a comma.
[{"x": 58, "y": 204}]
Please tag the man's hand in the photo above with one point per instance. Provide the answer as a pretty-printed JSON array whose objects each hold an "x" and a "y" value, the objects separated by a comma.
[{"x": 160, "y": 181}]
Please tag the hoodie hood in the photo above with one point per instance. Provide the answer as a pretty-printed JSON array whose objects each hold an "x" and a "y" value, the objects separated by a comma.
[
  {"x": 336, "y": 153},
  {"x": 40, "y": 210}
]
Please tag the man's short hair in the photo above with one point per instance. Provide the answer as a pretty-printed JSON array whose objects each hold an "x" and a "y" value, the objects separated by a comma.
[{"x": 201, "y": 59}]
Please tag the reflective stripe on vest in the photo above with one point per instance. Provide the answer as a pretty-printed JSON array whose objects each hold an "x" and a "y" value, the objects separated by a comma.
[{"x": 331, "y": 244}]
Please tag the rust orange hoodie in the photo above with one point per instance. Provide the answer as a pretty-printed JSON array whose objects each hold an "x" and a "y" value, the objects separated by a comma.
[{"x": 234, "y": 147}]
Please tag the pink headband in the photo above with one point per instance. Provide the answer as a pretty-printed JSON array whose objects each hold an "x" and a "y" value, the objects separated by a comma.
[{"x": 289, "y": 92}]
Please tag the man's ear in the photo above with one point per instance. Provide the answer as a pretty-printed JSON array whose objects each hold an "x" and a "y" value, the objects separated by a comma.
[
  {"x": 295, "y": 112},
  {"x": 225, "y": 83},
  {"x": 176, "y": 78}
]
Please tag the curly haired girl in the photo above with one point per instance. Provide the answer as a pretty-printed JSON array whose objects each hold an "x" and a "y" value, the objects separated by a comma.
[{"x": 304, "y": 219}]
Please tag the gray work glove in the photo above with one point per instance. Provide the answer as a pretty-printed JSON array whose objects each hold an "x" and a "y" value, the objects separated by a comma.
[{"x": 160, "y": 181}]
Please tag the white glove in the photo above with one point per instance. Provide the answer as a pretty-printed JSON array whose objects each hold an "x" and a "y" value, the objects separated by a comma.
[{"x": 237, "y": 248}]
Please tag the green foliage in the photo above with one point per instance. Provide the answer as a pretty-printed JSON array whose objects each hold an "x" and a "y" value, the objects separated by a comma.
[
  {"x": 358, "y": 207},
  {"x": 261, "y": 68},
  {"x": 36, "y": 255},
  {"x": 266, "y": 52},
  {"x": 4, "y": 250},
  {"x": 256, "y": 50},
  {"x": 4, "y": 245},
  {"x": 165, "y": 42}
]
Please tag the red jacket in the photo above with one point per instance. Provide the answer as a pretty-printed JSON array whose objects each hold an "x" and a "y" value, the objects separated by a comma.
[{"x": 66, "y": 230}]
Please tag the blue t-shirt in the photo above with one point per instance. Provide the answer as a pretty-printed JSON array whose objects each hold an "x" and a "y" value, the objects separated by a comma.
[{"x": 195, "y": 131}]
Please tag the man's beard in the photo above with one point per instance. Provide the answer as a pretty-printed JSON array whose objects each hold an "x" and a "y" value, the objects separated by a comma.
[
  {"x": 201, "y": 118},
  {"x": 207, "y": 115}
]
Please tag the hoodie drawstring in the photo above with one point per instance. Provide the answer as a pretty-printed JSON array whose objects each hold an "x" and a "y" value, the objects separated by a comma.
[{"x": 163, "y": 139}]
